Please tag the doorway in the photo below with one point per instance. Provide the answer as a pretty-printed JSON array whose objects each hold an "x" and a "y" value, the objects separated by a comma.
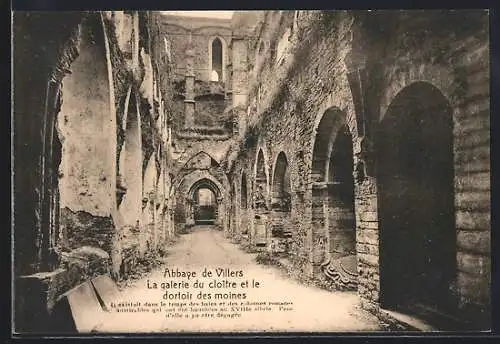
[
  {"x": 205, "y": 206},
  {"x": 416, "y": 202}
]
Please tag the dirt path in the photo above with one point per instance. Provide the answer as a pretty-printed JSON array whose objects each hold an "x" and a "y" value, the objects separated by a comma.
[{"x": 277, "y": 304}]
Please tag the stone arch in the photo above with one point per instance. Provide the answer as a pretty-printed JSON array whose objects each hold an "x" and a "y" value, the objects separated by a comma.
[
  {"x": 281, "y": 186},
  {"x": 415, "y": 182},
  {"x": 87, "y": 172},
  {"x": 324, "y": 134},
  {"x": 261, "y": 160},
  {"x": 333, "y": 219},
  {"x": 261, "y": 174},
  {"x": 178, "y": 182},
  {"x": 441, "y": 77},
  {"x": 244, "y": 191},
  {"x": 205, "y": 214},
  {"x": 221, "y": 44}
]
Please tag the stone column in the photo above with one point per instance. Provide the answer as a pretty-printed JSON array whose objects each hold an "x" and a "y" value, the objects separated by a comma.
[
  {"x": 319, "y": 223},
  {"x": 240, "y": 76},
  {"x": 218, "y": 219},
  {"x": 189, "y": 101}
]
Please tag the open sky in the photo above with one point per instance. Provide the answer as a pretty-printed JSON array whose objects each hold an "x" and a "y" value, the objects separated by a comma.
[{"x": 205, "y": 14}]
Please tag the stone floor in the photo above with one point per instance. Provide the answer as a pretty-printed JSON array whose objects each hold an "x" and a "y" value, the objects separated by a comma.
[{"x": 303, "y": 309}]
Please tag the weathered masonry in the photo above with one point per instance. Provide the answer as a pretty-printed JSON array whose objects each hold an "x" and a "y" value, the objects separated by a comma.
[
  {"x": 91, "y": 171},
  {"x": 208, "y": 84},
  {"x": 352, "y": 146},
  {"x": 365, "y": 156}
]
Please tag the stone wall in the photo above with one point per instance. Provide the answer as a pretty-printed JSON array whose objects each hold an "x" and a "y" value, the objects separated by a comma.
[
  {"x": 69, "y": 226},
  {"x": 341, "y": 62}
]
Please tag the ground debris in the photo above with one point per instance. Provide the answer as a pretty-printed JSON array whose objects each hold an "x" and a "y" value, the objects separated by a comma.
[{"x": 144, "y": 265}]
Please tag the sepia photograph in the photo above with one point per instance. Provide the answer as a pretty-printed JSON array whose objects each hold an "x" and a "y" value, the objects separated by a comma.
[{"x": 251, "y": 171}]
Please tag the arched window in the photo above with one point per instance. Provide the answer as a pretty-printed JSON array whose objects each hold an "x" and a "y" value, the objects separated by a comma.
[
  {"x": 216, "y": 70},
  {"x": 167, "y": 48}
]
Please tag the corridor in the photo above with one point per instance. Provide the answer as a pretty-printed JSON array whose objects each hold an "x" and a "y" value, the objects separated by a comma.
[
  {"x": 157, "y": 150},
  {"x": 289, "y": 305}
]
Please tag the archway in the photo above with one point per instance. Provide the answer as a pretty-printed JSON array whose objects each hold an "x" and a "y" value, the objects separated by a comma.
[
  {"x": 260, "y": 182},
  {"x": 416, "y": 201},
  {"x": 280, "y": 204},
  {"x": 204, "y": 196},
  {"x": 333, "y": 219},
  {"x": 235, "y": 213},
  {"x": 281, "y": 184}
]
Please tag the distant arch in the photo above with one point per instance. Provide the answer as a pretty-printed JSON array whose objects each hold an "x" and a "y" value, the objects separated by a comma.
[
  {"x": 204, "y": 211},
  {"x": 244, "y": 192}
]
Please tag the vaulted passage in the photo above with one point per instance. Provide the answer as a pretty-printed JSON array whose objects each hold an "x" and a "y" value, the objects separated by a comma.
[
  {"x": 259, "y": 234},
  {"x": 341, "y": 218},
  {"x": 333, "y": 219},
  {"x": 203, "y": 197},
  {"x": 205, "y": 206},
  {"x": 130, "y": 167},
  {"x": 416, "y": 201}
]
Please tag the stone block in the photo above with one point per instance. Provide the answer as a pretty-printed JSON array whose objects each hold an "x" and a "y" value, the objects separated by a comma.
[
  {"x": 473, "y": 220},
  {"x": 368, "y": 259},
  {"x": 367, "y": 249},
  {"x": 34, "y": 299},
  {"x": 79, "y": 310},
  {"x": 106, "y": 289},
  {"x": 85, "y": 262},
  {"x": 474, "y": 264}
]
